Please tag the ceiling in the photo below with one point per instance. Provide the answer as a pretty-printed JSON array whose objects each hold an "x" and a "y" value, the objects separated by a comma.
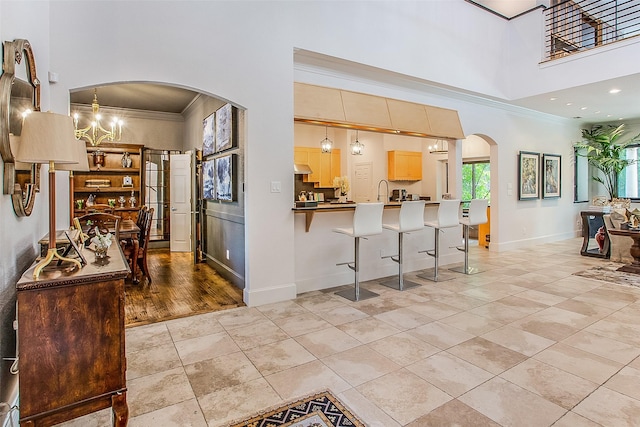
[{"x": 138, "y": 96}]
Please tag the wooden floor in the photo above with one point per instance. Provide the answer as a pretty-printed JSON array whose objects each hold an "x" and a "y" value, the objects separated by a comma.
[{"x": 179, "y": 288}]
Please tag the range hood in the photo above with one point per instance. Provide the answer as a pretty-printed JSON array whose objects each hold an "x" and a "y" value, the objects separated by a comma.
[
  {"x": 325, "y": 106},
  {"x": 301, "y": 169}
]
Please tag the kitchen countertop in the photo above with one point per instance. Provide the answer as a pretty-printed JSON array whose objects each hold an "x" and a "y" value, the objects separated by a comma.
[{"x": 337, "y": 207}]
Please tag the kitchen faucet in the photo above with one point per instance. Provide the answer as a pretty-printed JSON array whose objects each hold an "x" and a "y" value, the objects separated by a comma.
[{"x": 387, "y": 193}]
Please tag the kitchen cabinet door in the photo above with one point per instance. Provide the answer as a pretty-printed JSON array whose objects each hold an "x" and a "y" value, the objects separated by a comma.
[{"x": 404, "y": 165}]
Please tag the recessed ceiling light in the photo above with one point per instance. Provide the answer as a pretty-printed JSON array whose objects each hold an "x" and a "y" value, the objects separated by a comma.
[
  {"x": 614, "y": 91},
  {"x": 552, "y": 99},
  {"x": 620, "y": 118},
  {"x": 583, "y": 108},
  {"x": 608, "y": 115},
  {"x": 569, "y": 103},
  {"x": 596, "y": 112}
]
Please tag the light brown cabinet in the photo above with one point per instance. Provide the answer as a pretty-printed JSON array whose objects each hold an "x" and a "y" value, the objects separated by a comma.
[
  {"x": 120, "y": 174},
  {"x": 404, "y": 165},
  {"x": 325, "y": 166}
]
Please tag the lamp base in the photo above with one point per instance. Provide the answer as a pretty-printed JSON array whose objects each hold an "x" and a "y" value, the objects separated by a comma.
[{"x": 52, "y": 253}]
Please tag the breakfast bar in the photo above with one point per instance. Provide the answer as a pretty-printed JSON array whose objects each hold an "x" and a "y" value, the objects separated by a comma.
[
  {"x": 318, "y": 250},
  {"x": 310, "y": 211}
]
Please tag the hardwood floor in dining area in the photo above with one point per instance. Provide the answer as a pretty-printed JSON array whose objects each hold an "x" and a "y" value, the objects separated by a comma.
[{"x": 179, "y": 288}]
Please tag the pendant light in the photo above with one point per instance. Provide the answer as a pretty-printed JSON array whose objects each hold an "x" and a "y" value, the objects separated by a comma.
[
  {"x": 326, "y": 143},
  {"x": 441, "y": 146},
  {"x": 356, "y": 146}
]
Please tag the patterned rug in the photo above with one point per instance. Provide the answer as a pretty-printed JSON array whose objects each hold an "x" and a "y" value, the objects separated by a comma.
[
  {"x": 607, "y": 273},
  {"x": 320, "y": 410}
]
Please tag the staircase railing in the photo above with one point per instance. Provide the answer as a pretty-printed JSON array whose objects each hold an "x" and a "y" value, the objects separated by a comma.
[{"x": 573, "y": 26}]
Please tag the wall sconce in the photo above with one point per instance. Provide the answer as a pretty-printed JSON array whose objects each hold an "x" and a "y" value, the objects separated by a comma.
[
  {"x": 441, "y": 146},
  {"x": 48, "y": 138},
  {"x": 357, "y": 146},
  {"x": 326, "y": 143}
]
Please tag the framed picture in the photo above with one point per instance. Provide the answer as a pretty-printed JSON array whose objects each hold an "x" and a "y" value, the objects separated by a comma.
[
  {"x": 551, "y": 177},
  {"x": 208, "y": 135},
  {"x": 75, "y": 243},
  {"x": 528, "y": 171},
  {"x": 208, "y": 180},
  {"x": 225, "y": 128},
  {"x": 225, "y": 182}
]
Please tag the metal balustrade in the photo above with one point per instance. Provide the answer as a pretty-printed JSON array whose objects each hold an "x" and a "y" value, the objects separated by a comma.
[{"x": 573, "y": 26}]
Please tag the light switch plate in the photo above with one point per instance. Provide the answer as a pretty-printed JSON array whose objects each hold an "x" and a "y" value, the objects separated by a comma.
[{"x": 276, "y": 186}]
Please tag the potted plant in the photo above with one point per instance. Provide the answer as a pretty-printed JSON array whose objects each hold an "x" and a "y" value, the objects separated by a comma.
[
  {"x": 341, "y": 185},
  {"x": 603, "y": 149}
]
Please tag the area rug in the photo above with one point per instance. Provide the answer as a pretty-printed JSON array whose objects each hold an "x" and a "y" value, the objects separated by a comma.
[
  {"x": 607, "y": 273},
  {"x": 320, "y": 410}
]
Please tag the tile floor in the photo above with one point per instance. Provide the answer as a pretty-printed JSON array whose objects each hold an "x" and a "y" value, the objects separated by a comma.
[{"x": 524, "y": 343}]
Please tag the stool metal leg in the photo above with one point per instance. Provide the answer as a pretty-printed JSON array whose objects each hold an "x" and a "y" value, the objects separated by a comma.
[
  {"x": 435, "y": 254},
  {"x": 357, "y": 294},
  {"x": 466, "y": 269},
  {"x": 400, "y": 284}
]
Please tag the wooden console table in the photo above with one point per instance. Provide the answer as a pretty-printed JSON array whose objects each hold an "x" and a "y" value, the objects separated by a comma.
[
  {"x": 591, "y": 222},
  {"x": 634, "y": 267},
  {"x": 71, "y": 341}
]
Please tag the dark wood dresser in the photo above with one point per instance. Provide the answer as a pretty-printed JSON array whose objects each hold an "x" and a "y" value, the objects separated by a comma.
[{"x": 71, "y": 341}]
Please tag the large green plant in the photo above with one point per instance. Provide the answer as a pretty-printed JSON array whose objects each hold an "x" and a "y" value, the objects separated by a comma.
[{"x": 603, "y": 149}]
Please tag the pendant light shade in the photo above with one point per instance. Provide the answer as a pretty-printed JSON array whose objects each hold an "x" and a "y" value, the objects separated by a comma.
[
  {"x": 356, "y": 146},
  {"x": 326, "y": 143}
]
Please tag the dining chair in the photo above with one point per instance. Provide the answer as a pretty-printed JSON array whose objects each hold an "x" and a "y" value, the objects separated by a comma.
[
  {"x": 136, "y": 251},
  {"x": 104, "y": 222}
]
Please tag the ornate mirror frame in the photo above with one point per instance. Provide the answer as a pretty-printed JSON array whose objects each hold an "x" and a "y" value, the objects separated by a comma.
[{"x": 22, "y": 196}]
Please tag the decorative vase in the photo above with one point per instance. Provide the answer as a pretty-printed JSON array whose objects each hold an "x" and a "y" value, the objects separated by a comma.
[
  {"x": 98, "y": 158},
  {"x": 122, "y": 201},
  {"x": 600, "y": 238},
  {"x": 342, "y": 199},
  {"x": 101, "y": 252}
]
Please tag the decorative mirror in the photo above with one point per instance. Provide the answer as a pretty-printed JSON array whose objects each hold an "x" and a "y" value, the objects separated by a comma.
[{"x": 17, "y": 95}]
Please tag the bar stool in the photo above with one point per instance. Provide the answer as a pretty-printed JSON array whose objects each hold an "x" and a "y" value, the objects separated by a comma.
[
  {"x": 411, "y": 218},
  {"x": 477, "y": 215},
  {"x": 447, "y": 218},
  {"x": 367, "y": 221}
]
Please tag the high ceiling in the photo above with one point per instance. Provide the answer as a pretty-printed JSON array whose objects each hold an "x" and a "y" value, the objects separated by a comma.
[{"x": 590, "y": 103}]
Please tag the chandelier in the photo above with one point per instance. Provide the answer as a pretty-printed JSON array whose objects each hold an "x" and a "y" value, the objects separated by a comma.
[
  {"x": 441, "y": 146},
  {"x": 95, "y": 133},
  {"x": 357, "y": 146}
]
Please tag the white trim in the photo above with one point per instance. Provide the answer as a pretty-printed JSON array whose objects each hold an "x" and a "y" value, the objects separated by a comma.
[
  {"x": 130, "y": 112},
  {"x": 269, "y": 295}
]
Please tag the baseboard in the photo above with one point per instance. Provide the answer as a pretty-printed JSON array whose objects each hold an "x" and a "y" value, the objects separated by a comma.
[
  {"x": 527, "y": 243},
  {"x": 270, "y": 295}
]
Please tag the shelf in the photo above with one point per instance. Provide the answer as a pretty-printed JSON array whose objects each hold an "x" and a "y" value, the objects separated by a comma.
[
  {"x": 94, "y": 170},
  {"x": 105, "y": 189}
]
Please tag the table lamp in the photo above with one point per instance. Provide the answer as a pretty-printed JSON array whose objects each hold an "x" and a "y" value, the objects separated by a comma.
[
  {"x": 48, "y": 138},
  {"x": 82, "y": 166}
]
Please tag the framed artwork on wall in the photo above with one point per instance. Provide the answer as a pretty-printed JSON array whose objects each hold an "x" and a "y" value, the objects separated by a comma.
[
  {"x": 225, "y": 128},
  {"x": 528, "y": 171},
  {"x": 208, "y": 180},
  {"x": 208, "y": 135},
  {"x": 225, "y": 173},
  {"x": 551, "y": 176}
]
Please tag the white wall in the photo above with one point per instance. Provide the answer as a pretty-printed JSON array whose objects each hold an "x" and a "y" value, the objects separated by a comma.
[{"x": 243, "y": 52}]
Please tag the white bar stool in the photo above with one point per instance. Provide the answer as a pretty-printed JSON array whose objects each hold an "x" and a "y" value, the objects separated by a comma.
[
  {"x": 411, "y": 218},
  {"x": 447, "y": 218},
  {"x": 367, "y": 221},
  {"x": 477, "y": 215}
]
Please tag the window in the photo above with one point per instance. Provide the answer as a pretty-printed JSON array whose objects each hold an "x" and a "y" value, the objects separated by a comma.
[
  {"x": 476, "y": 180},
  {"x": 628, "y": 181}
]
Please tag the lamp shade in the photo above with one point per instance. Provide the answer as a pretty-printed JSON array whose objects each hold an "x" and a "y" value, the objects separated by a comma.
[
  {"x": 82, "y": 164},
  {"x": 47, "y": 137}
]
